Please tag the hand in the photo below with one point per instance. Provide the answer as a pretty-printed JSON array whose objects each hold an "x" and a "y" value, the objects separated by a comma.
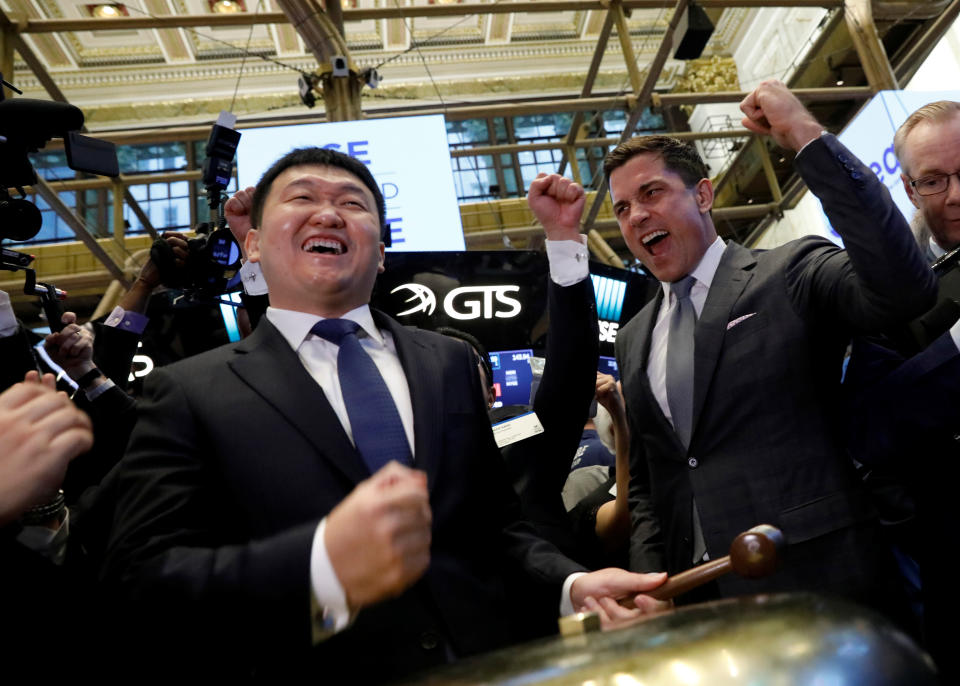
[
  {"x": 71, "y": 348},
  {"x": 608, "y": 395},
  {"x": 42, "y": 431},
  {"x": 150, "y": 274},
  {"x": 378, "y": 537},
  {"x": 236, "y": 210},
  {"x": 771, "y": 109},
  {"x": 557, "y": 203},
  {"x": 599, "y": 592}
]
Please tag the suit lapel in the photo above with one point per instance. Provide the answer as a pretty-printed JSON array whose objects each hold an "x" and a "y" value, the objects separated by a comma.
[
  {"x": 267, "y": 363},
  {"x": 732, "y": 276},
  {"x": 425, "y": 381}
]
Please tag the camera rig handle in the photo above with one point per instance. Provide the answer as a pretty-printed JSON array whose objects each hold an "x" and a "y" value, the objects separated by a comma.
[{"x": 50, "y": 297}]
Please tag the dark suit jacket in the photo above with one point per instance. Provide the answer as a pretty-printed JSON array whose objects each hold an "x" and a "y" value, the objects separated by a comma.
[
  {"x": 236, "y": 458},
  {"x": 539, "y": 465},
  {"x": 905, "y": 420},
  {"x": 765, "y": 444}
]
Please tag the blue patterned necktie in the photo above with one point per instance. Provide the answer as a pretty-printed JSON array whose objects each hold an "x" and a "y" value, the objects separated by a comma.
[{"x": 377, "y": 430}]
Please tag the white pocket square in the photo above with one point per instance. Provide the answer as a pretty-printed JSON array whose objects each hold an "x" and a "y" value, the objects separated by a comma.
[{"x": 734, "y": 322}]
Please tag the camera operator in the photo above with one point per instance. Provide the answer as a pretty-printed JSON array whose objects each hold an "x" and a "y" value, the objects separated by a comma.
[
  {"x": 117, "y": 338},
  {"x": 42, "y": 432}
]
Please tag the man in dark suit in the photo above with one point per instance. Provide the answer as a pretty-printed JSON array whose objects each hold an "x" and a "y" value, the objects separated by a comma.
[
  {"x": 905, "y": 405},
  {"x": 252, "y": 517},
  {"x": 761, "y": 439},
  {"x": 731, "y": 382}
]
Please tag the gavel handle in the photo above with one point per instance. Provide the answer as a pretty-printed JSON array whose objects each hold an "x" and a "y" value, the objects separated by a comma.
[{"x": 690, "y": 579}]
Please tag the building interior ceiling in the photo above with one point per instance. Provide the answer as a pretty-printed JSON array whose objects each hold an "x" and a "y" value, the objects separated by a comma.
[{"x": 156, "y": 70}]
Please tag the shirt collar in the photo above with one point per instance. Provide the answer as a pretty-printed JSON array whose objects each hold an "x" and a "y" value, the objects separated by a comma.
[
  {"x": 936, "y": 250},
  {"x": 705, "y": 269},
  {"x": 295, "y": 326}
]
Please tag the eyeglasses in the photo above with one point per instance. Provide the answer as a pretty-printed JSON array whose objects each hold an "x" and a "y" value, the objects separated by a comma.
[{"x": 933, "y": 184}]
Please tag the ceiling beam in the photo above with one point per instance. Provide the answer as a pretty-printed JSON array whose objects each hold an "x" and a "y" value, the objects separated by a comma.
[
  {"x": 641, "y": 99},
  {"x": 393, "y": 12},
  {"x": 598, "y": 53}
]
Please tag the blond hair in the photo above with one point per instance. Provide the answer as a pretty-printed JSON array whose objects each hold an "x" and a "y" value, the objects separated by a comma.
[{"x": 934, "y": 112}]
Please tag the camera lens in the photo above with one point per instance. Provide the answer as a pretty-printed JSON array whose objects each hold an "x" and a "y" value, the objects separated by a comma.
[{"x": 20, "y": 220}]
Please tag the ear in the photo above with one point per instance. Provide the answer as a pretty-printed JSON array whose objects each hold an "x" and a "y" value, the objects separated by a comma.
[
  {"x": 251, "y": 244},
  {"x": 704, "y": 195},
  {"x": 380, "y": 267},
  {"x": 911, "y": 193}
]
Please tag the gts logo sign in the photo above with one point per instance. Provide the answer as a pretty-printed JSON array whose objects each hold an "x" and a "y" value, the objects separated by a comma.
[{"x": 466, "y": 302}]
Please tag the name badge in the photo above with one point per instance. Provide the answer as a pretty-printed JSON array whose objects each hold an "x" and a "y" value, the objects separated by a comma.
[{"x": 516, "y": 429}]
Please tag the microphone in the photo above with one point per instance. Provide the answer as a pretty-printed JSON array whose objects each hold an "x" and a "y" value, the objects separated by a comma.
[{"x": 37, "y": 120}]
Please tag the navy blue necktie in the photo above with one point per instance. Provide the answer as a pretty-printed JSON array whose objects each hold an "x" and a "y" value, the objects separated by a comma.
[{"x": 377, "y": 430}]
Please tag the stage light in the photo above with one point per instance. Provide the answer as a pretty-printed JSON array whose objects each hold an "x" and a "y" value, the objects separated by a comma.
[
  {"x": 106, "y": 11},
  {"x": 227, "y": 6}
]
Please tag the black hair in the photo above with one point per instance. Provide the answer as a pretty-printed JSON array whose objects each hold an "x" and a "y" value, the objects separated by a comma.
[
  {"x": 477, "y": 348},
  {"x": 326, "y": 158},
  {"x": 680, "y": 157}
]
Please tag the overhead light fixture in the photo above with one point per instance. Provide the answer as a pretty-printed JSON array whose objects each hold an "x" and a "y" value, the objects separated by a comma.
[
  {"x": 107, "y": 11},
  {"x": 227, "y": 6},
  {"x": 692, "y": 33}
]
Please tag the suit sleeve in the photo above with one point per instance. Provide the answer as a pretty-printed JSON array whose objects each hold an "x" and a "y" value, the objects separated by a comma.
[
  {"x": 565, "y": 391},
  {"x": 881, "y": 279},
  {"x": 164, "y": 557},
  {"x": 894, "y": 401},
  {"x": 539, "y": 559}
]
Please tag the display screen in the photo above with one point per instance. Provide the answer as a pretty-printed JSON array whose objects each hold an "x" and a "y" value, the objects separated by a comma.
[
  {"x": 408, "y": 156},
  {"x": 512, "y": 376}
]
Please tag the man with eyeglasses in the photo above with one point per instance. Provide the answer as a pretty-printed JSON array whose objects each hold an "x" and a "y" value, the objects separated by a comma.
[
  {"x": 928, "y": 147},
  {"x": 905, "y": 404}
]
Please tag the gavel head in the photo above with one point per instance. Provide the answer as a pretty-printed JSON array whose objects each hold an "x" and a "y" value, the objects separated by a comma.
[{"x": 753, "y": 553}]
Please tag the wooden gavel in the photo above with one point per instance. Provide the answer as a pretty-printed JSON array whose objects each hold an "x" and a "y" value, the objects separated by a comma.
[{"x": 753, "y": 554}]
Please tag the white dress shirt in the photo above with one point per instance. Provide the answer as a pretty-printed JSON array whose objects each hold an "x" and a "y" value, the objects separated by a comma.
[
  {"x": 568, "y": 265},
  {"x": 657, "y": 360}
]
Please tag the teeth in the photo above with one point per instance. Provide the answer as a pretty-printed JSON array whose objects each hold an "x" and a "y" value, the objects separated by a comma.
[
  {"x": 650, "y": 236},
  {"x": 323, "y": 245}
]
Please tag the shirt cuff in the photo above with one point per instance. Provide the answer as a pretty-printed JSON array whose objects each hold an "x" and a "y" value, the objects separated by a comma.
[
  {"x": 134, "y": 322},
  {"x": 822, "y": 133},
  {"x": 566, "y": 602},
  {"x": 99, "y": 390},
  {"x": 568, "y": 261},
  {"x": 8, "y": 320},
  {"x": 330, "y": 613},
  {"x": 955, "y": 333},
  {"x": 47, "y": 542},
  {"x": 253, "y": 282}
]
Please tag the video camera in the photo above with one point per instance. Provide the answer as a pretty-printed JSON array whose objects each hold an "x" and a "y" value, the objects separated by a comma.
[
  {"x": 25, "y": 126},
  {"x": 214, "y": 256}
]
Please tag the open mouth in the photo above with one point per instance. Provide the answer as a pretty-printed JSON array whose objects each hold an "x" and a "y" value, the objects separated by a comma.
[
  {"x": 324, "y": 246},
  {"x": 653, "y": 238}
]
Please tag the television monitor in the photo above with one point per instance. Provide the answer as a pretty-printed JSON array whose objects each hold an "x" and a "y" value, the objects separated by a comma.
[{"x": 512, "y": 376}]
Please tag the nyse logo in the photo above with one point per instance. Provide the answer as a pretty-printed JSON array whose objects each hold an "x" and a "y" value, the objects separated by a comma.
[
  {"x": 465, "y": 302},
  {"x": 608, "y": 331}
]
